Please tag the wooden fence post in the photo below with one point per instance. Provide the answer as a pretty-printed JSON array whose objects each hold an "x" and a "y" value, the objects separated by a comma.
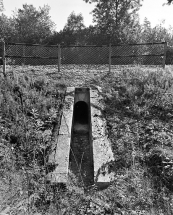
[
  {"x": 110, "y": 54},
  {"x": 59, "y": 57},
  {"x": 3, "y": 58},
  {"x": 164, "y": 57}
]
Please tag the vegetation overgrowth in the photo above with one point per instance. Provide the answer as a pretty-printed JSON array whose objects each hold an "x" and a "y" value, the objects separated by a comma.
[{"x": 139, "y": 114}]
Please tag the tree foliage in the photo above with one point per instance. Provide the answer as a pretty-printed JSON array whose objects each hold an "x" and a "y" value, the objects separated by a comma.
[
  {"x": 73, "y": 29},
  {"x": 75, "y": 22},
  {"x": 116, "y": 21},
  {"x": 156, "y": 34},
  {"x": 169, "y": 1},
  {"x": 1, "y": 6},
  {"x": 32, "y": 25},
  {"x": 113, "y": 16},
  {"x": 7, "y": 28}
]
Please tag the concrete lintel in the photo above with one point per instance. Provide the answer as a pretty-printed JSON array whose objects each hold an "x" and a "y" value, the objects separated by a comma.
[
  {"x": 62, "y": 152},
  {"x": 98, "y": 130},
  {"x": 102, "y": 152},
  {"x": 60, "y": 155},
  {"x": 67, "y": 115},
  {"x": 66, "y": 122}
]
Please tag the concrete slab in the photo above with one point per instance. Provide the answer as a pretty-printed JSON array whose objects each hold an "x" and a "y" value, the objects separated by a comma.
[
  {"x": 61, "y": 160},
  {"x": 102, "y": 152},
  {"x": 60, "y": 155},
  {"x": 67, "y": 115},
  {"x": 66, "y": 123}
]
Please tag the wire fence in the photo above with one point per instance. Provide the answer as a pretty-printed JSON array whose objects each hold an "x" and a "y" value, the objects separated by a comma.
[
  {"x": 144, "y": 54},
  {"x": 31, "y": 54},
  {"x": 85, "y": 55},
  {"x": 124, "y": 54}
]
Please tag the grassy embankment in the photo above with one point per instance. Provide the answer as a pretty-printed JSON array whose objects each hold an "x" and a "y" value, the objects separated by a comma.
[{"x": 139, "y": 114}]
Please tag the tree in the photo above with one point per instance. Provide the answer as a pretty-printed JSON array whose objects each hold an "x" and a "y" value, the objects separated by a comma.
[
  {"x": 75, "y": 22},
  {"x": 112, "y": 16},
  {"x": 132, "y": 33},
  {"x": 1, "y": 6},
  {"x": 32, "y": 25},
  {"x": 169, "y": 1},
  {"x": 7, "y": 28},
  {"x": 147, "y": 33},
  {"x": 156, "y": 34},
  {"x": 73, "y": 30},
  {"x": 160, "y": 33}
]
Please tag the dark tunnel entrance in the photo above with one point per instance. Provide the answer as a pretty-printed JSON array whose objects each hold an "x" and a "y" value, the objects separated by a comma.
[
  {"x": 81, "y": 113},
  {"x": 81, "y": 155}
]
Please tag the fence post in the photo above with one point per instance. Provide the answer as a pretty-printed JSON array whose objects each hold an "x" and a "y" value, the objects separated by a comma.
[
  {"x": 110, "y": 54},
  {"x": 164, "y": 57},
  {"x": 3, "y": 58},
  {"x": 59, "y": 57}
]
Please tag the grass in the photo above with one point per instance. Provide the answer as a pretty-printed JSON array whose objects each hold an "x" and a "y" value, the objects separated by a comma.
[{"x": 138, "y": 110}]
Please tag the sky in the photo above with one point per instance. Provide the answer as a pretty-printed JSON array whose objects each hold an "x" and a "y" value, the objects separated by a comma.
[{"x": 61, "y": 9}]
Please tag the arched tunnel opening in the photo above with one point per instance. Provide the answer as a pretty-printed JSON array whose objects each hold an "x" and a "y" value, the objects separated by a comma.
[
  {"x": 81, "y": 160},
  {"x": 81, "y": 112}
]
